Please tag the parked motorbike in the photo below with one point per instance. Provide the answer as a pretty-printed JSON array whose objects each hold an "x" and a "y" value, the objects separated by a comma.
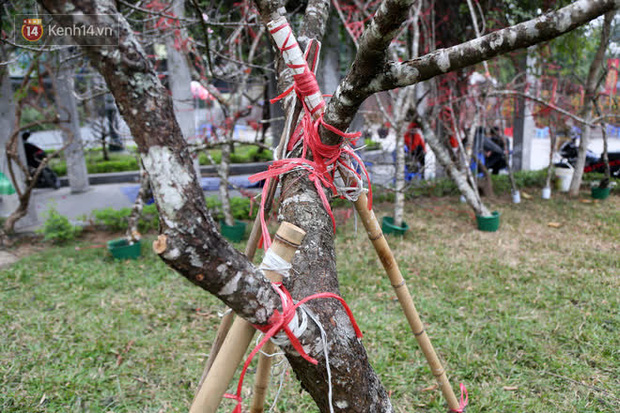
[
  {"x": 34, "y": 158},
  {"x": 594, "y": 163}
]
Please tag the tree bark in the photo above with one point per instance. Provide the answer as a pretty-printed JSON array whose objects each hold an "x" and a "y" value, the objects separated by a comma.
[
  {"x": 68, "y": 111},
  {"x": 399, "y": 187},
  {"x": 329, "y": 71},
  {"x": 590, "y": 92},
  {"x": 223, "y": 171}
]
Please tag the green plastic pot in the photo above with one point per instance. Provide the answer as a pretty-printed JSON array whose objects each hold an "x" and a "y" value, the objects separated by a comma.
[
  {"x": 488, "y": 224},
  {"x": 600, "y": 193},
  {"x": 121, "y": 249},
  {"x": 235, "y": 232},
  {"x": 6, "y": 187},
  {"x": 388, "y": 227}
]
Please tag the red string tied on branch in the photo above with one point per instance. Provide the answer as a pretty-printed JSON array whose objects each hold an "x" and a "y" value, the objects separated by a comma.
[
  {"x": 464, "y": 400},
  {"x": 326, "y": 158},
  {"x": 280, "y": 321}
]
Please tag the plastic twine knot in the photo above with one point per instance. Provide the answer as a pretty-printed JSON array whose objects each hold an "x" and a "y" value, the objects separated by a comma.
[
  {"x": 279, "y": 321},
  {"x": 464, "y": 400}
]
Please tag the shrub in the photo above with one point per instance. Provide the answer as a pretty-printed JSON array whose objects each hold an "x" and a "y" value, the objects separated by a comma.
[
  {"x": 95, "y": 164},
  {"x": 117, "y": 219},
  {"x": 242, "y": 154},
  {"x": 122, "y": 165},
  {"x": 240, "y": 206},
  {"x": 111, "y": 219},
  {"x": 31, "y": 115},
  {"x": 57, "y": 227}
]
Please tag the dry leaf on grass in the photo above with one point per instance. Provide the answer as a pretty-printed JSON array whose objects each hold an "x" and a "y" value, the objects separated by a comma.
[
  {"x": 554, "y": 224},
  {"x": 429, "y": 388}
]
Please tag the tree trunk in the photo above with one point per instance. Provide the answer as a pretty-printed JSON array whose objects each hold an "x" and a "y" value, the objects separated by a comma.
[
  {"x": 328, "y": 74},
  {"x": 553, "y": 139},
  {"x": 133, "y": 234},
  {"x": 179, "y": 82},
  {"x": 356, "y": 387},
  {"x": 590, "y": 93},
  {"x": 224, "y": 172},
  {"x": 11, "y": 204},
  {"x": 67, "y": 108},
  {"x": 458, "y": 176},
  {"x": 399, "y": 202},
  {"x": 605, "y": 156}
]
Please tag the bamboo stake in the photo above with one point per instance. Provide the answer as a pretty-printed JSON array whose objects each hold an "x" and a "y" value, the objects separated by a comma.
[
  {"x": 288, "y": 239},
  {"x": 250, "y": 248},
  {"x": 261, "y": 380},
  {"x": 227, "y": 320},
  {"x": 404, "y": 297}
]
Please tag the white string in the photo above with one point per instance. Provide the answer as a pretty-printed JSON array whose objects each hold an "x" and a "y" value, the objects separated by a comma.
[
  {"x": 282, "y": 375},
  {"x": 325, "y": 352},
  {"x": 298, "y": 326},
  {"x": 257, "y": 342},
  {"x": 273, "y": 262},
  {"x": 350, "y": 185},
  {"x": 220, "y": 314}
]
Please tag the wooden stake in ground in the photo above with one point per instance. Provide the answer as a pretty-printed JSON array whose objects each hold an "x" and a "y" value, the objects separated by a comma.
[
  {"x": 404, "y": 298},
  {"x": 288, "y": 239},
  {"x": 250, "y": 248}
]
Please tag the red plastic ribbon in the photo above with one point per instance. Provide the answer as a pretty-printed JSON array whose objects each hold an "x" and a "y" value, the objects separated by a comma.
[
  {"x": 279, "y": 322},
  {"x": 464, "y": 400},
  {"x": 327, "y": 158}
]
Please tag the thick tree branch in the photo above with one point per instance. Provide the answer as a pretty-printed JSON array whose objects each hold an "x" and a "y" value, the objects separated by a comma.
[{"x": 370, "y": 76}]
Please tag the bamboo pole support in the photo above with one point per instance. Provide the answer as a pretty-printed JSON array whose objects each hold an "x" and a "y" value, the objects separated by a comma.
[
  {"x": 227, "y": 320},
  {"x": 261, "y": 380},
  {"x": 250, "y": 251},
  {"x": 288, "y": 239},
  {"x": 390, "y": 265}
]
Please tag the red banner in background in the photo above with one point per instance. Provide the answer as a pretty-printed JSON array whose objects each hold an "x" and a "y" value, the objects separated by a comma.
[{"x": 611, "y": 83}]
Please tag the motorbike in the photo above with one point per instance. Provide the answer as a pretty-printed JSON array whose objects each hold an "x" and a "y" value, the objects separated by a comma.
[
  {"x": 34, "y": 157},
  {"x": 568, "y": 153}
]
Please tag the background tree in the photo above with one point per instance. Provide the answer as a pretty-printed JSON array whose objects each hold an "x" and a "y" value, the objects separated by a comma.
[{"x": 592, "y": 84}]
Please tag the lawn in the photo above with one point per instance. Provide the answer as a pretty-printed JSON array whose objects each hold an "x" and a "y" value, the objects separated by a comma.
[{"x": 528, "y": 317}]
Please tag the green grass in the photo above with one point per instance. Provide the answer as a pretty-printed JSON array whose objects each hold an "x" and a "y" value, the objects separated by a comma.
[{"x": 526, "y": 317}]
